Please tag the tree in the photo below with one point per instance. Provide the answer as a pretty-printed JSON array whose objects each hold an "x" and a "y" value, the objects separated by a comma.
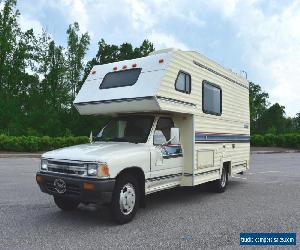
[
  {"x": 296, "y": 122},
  {"x": 9, "y": 31},
  {"x": 272, "y": 120},
  {"x": 258, "y": 104},
  {"x": 76, "y": 50},
  {"x": 145, "y": 49},
  {"x": 16, "y": 50}
]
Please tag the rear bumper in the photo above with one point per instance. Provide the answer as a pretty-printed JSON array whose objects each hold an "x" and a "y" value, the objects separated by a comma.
[{"x": 100, "y": 193}]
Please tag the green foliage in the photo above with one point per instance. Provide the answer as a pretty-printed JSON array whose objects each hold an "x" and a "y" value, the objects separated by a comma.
[
  {"x": 77, "y": 47},
  {"x": 257, "y": 140},
  {"x": 258, "y": 101},
  {"x": 272, "y": 120},
  {"x": 35, "y": 144},
  {"x": 266, "y": 119},
  {"x": 39, "y": 78},
  {"x": 274, "y": 140}
]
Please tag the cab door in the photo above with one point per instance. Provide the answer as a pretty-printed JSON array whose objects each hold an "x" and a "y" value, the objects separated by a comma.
[{"x": 166, "y": 158}]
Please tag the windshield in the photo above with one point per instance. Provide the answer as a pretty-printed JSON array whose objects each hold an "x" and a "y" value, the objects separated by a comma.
[{"x": 133, "y": 129}]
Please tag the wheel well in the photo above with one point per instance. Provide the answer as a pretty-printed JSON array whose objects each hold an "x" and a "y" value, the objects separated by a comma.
[
  {"x": 227, "y": 165},
  {"x": 138, "y": 173}
]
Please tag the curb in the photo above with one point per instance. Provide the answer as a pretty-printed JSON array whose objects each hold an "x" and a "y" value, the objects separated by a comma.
[
  {"x": 275, "y": 152},
  {"x": 12, "y": 155}
]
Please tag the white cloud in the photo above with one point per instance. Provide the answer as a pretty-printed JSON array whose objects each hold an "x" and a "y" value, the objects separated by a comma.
[
  {"x": 141, "y": 15},
  {"x": 76, "y": 9},
  {"x": 227, "y": 7},
  {"x": 123, "y": 18},
  {"x": 27, "y": 23},
  {"x": 147, "y": 16},
  {"x": 271, "y": 44},
  {"x": 193, "y": 19},
  {"x": 73, "y": 10},
  {"x": 162, "y": 40}
]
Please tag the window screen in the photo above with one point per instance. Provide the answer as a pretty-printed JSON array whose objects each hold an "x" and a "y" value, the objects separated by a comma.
[
  {"x": 211, "y": 98},
  {"x": 183, "y": 82},
  {"x": 120, "y": 78}
]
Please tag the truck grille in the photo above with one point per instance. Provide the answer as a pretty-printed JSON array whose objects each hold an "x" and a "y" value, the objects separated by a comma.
[
  {"x": 71, "y": 168},
  {"x": 70, "y": 188}
]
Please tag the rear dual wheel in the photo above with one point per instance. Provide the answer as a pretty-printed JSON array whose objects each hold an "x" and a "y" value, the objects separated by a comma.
[{"x": 220, "y": 185}]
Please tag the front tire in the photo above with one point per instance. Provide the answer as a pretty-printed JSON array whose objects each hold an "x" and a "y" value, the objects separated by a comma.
[
  {"x": 220, "y": 185},
  {"x": 125, "y": 200},
  {"x": 66, "y": 204}
]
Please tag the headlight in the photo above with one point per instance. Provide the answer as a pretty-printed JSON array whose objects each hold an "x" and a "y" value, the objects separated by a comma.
[
  {"x": 99, "y": 170},
  {"x": 44, "y": 164},
  {"x": 92, "y": 169}
]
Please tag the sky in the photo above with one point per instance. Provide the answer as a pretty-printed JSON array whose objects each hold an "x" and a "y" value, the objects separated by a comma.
[{"x": 261, "y": 37}]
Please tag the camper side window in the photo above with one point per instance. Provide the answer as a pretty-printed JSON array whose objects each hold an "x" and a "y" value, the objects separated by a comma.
[
  {"x": 211, "y": 98},
  {"x": 183, "y": 82}
]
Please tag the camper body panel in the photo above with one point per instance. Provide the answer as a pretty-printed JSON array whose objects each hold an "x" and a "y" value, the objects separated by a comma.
[{"x": 218, "y": 138}]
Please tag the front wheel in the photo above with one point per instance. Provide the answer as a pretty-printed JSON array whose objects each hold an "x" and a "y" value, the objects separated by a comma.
[
  {"x": 125, "y": 200},
  {"x": 219, "y": 185},
  {"x": 66, "y": 204}
]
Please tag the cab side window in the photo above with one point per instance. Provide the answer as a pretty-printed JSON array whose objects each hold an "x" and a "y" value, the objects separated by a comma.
[{"x": 165, "y": 124}]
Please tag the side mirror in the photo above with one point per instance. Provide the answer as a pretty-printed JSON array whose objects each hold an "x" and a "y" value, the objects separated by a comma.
[
  {"x": 91, "y": 137},
  {"x": 159, "y": 138},
  {"x": 100, "y": 133},
  {"x": 175, "y": 136}
]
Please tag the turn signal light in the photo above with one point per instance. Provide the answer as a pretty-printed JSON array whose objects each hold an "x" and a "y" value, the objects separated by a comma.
[
  {"x": 134, "y": 65},
  {"x": 88, "y": 186},
  {"x": 103, "y": 171},
  {"x": 39, "y": 178}
]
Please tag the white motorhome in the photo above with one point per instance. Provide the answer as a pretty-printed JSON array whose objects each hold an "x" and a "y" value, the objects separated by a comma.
[{"x": 178, "y": 119}]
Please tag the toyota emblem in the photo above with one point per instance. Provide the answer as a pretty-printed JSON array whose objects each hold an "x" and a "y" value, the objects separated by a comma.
[{"x": 60, "y": 186}]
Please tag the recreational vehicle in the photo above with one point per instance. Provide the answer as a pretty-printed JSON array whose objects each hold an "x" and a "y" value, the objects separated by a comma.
[{"x": 177, "y": 119}]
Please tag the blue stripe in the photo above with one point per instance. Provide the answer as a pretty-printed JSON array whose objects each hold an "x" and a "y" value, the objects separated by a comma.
[{"x": 209, "y": 137}]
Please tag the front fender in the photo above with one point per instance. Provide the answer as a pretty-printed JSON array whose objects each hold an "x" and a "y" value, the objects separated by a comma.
[{"x": 122, "y": 161}]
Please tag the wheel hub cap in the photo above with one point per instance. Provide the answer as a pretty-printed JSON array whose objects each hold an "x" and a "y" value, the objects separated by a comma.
[
  {"x": 127, "y": 199},
  {"x": 223, "y": 178}
]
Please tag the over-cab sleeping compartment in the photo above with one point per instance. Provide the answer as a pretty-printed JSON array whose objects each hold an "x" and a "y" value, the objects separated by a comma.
[{"x": 125, "y": 86}]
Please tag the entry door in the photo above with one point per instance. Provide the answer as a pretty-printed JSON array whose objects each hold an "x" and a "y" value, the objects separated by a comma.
[{"x": 167, "y": 160}]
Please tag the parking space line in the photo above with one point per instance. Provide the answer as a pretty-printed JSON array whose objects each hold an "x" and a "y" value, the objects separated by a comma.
[
  {"x": 238, "y": 177},
  {"x": 265, "y": 172}
]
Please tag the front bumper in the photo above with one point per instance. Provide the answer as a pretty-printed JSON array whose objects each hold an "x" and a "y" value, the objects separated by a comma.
[{"x": 100, "y": 193}]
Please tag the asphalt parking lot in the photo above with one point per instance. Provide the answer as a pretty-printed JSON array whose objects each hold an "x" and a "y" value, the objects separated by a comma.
[{"x": 266, "y": 199}]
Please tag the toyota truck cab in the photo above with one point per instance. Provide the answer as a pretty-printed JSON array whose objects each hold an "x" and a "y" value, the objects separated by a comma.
[{"x": 176, "y": 120}]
